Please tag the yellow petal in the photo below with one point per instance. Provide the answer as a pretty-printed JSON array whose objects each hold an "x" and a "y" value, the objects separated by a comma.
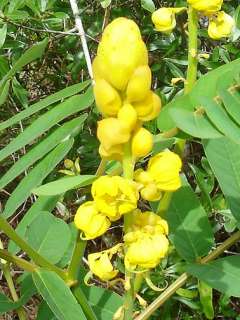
[
  {"x": 142, "y": 143},
  {"x": 220, "y": 26}
]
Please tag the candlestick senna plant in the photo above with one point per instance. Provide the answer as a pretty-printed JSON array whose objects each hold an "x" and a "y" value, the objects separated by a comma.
[{"x": 142, "y": 193}]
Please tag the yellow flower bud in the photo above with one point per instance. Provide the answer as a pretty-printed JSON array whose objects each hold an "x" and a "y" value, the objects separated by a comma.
[
  {"x": 114, "y": 153},
  {"x": 101, "y": 266},
  {"x": 112, "y": 132},
  {"x": 142, "y": 142},
  {"x": 164, "y": 19},
  {"x": 128, "y": 116},
  {"x": 142, "y": 177},
  {"x": 91, "y": 221},
  {"x": 139, "y": 84},
  {"x": 115, "y": 196},
  {"x": 208, "y": 6},
  {"x": 120, "y": 52},
  {"x": 148, "y": 108},
  {"x": 220, "y": 25},
  {"x": 164, "y": 168},
  {"x": 151, "y": 192},
  {"x": 107, "y": 98}
]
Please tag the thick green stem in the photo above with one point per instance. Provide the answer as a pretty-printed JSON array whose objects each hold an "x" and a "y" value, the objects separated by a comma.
[
  {"x": 183, "y": 278},
  {"x": 7, "y": 274},
  {"x": 25, "y": 265},
  {"x": 192, "y": 49},
  {"x": 81, "y": 298},
  {"x": 128, "y": 170},
  {"x": 33, "y": 254},
  {"x": 76, "y": 260}
]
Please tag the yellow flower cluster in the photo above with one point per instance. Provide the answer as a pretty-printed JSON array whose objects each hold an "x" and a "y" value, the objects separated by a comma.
[
  {"x": 123, "y": 90},
  {"x": 112, "y": 197},
  {"x": 162, "y": 174},
  {"x": 220, "y": 23},
  {"x": 146, "y": 243}
]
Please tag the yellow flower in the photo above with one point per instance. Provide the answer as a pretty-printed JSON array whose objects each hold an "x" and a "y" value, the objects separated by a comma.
[
  {"x": 91, "y": 221},
  {"x": 120, "y": 52},
  {"x": 164, "y": 169},
  {"x": 208, "y": 6},
  {"x": 146, "y": 243},
  {"x": 142, "y": 177},
  {"x": 220, "y": 25},
  {"x": 115, "y": 196},
  {"x": 142, "y": 142},
  {"x": 128, "y": 116},
  {"x": 112, "y": 132},
  {"x": 146, "y": 252},
  {"x": 107, "y": 98},
  {"x": 100, "y": 263},
  {"x": 148, "y": 108},
  {"x": 164, "y": 19},
  {"x": 139, "y": 84},
  {"x": 151, "y": 192}
]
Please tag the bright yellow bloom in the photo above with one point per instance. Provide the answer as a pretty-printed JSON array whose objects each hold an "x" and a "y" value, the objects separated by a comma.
[
  {"x": 208, "y": 6},
  {"x": 148, "y": 108},
  {"x": 220, "y": 25},
  {"x": 147, "y": 243},
  {"x": 164, "y": 169},
  {"x": 120, "y": 52},
  {"x": 128, "y": 116},
  {"x": 139, "y": 84},
  {"x": 112, "y": 132},
  {"x": 91, "y": 221},
  {"x": 146, "y": 252},
  {"x": 164, "y": 19},
  {"x": 151, "y": 193},
  {"x": 142, "y": 177},
  {"x": 107, "y": 98},
  {"x": 142, "y": 143},
  {"x": 100, "y": 263},
  {"x": 115, "y": 196}
]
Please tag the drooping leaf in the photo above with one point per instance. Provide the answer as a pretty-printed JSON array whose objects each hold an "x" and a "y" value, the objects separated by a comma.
[
  {"x": 63, "y": 185},
  {"x": 222, "y": 274},
  {"x": 206, "y": 299},
  {"x": 35, "y": 177},
  {"x": 148, "y": 5},
  {"x": 62, "y": 94},
  {"x": 190, "y": 229},
  {"x": 40, "y": 150},
  {"x": 48, "y": 120},
  {"x": 49, "y": 236},
  {"x": 3, "y": 33},
  {"x": 57, "y": 295}
]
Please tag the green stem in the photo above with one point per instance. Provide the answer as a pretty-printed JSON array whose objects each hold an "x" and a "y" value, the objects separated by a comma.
[
  {"x": 192, "y": 49},
  {"x": 25, "y": 265},
  {"x": 7, "y": 274},
  {"x": 33, "y": 254},
  {"x": 81, "y": 298},
  {"x": 183, "y": 278},
  {"x": 128, "y": 170},
  {"x": 76, "y": 260},
  {"x": 101, "y": 168}
]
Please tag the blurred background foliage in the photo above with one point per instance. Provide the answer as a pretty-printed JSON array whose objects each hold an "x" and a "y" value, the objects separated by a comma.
[{"x": 25, "y": 22}]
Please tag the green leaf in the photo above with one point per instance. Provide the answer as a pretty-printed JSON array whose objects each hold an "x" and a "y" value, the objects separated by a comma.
[
  {"x": 44, "y": 312},
  {"x": 49, "y": 236},
  {"x": 6, "y": 304},
  {"x": 40, "y": 150},
  {"x": 148, "y": 5},
  {"x": 3, "y": 33},
  {"x": 220, "y": 119},
  {"x": 35, "y": 177},
  {"x": 62, "y": 185},
  {"x": 105, "y": 3},
  {"x": 62, "y": 94},
  {"x": 224, "y": 158},
  {"x": 222, "y": 274},
  {"x": 206, "y": 299},
  {"x": 41, "y": 205},
  {"x": 48, "y": 120},
  {"x": 190, "y": 229},
  {"x": 20, "y": 93},
  {"x": 4, "y": 90},
  {"x": 231, "y": 102},
  {"x": 57, "y": 295},
  {"x": 104, "y": 302}
]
